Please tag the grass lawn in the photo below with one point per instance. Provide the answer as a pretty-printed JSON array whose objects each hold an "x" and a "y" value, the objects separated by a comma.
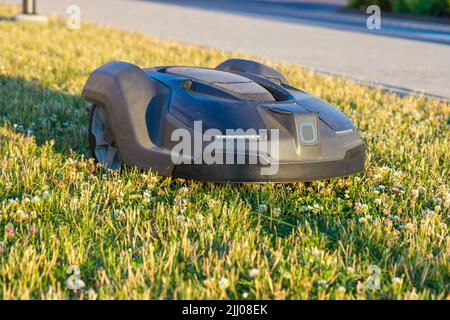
[{"x": 134, "y": 234}]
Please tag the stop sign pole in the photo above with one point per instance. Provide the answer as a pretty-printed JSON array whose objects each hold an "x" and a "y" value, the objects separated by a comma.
[{"x": 29, "y": 12}]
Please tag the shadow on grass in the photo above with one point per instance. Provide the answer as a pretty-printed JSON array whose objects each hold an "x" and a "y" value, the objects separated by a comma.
[
  {"x": 6, "y": 18},
  {"x": 44, "y": 113}
]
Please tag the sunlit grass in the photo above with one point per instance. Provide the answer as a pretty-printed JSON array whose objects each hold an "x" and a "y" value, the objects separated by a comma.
[{"x": 135, "y": 234}]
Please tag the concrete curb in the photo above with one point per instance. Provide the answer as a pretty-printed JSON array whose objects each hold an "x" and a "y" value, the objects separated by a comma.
[
  {"x": 31, "y": 18},
  {"x": 402, "y": 92}
]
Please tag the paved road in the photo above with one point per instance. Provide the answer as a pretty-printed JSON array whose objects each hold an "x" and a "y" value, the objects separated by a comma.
[
  {"x": 309, "y": 33},
  {"x": 327, "y": 13}
]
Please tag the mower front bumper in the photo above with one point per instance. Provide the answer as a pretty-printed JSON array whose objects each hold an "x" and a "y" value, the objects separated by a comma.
[{"x": 353, "y": 162}]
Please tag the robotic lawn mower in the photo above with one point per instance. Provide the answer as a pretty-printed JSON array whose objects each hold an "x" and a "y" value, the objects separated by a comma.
[{"x": 238, "y": 122}]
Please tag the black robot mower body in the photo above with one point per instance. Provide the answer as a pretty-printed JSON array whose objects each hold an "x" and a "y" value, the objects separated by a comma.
[{"x": 135, "y": 113}]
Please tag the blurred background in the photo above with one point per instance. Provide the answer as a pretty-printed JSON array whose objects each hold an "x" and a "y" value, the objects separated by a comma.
[{"x": 410, "y": 51}]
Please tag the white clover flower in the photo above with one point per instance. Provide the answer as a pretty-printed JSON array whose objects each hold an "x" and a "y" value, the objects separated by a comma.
[
  {"x": 245, "y": 295},
  {"x": 316, "y": 252},
  {"x": 180, "y": 218},
  {"x": 147, "y": 194},
  {"x": 184, "y": 190},
  {"x": 408, "y": 226},
  {"x": 224, "y": 283},
  {"x": 22, "y": 215},
  {"x": 322, "y": 282},
  {"x": 276, "y": 212},
  {"x": 253, "y": 273},
  {"x": 393, "y": 217},
  {"x": 341, "y": 289},
  {"x": 361, "y": 207}
]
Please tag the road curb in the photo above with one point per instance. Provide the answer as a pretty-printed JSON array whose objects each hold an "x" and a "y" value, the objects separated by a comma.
[{"x": 400, "y": 91}]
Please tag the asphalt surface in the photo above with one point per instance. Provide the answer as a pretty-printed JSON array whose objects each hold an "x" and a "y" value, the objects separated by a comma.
[{"x": 405, "y": 54}]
